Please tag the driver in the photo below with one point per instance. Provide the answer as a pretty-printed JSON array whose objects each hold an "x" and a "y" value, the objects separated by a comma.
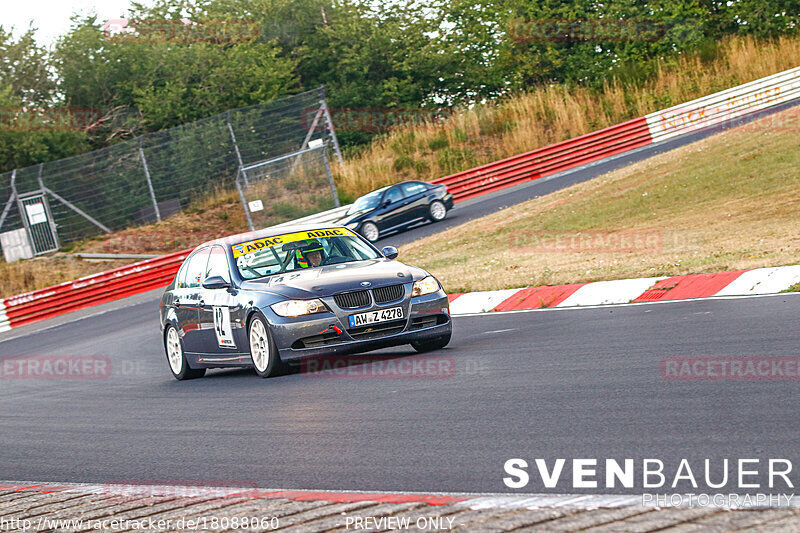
[{"x": 311, "y": 254}]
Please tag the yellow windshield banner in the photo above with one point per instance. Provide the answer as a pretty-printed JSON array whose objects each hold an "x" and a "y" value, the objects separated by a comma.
[{"x": 249, "y": 247}]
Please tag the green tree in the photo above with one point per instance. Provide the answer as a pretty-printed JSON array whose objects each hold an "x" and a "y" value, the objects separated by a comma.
[
  {"x": 33, "y": 127},
  {"x": 149, "y": 83}
]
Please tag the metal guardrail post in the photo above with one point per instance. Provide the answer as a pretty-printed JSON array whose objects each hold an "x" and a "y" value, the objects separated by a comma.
[{"x": 149, "y": 181}]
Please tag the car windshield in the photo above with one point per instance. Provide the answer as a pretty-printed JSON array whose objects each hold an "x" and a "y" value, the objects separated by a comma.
[
  {"x": 366, "y": 202},
  {"x": 298, "y": 251}
]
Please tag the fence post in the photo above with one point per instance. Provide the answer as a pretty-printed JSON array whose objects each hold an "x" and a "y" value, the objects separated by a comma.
[
  {"x": 329, "y": 122},
  {"x": 11, "y": 198},
  {"x": 149, "y": 182},
  {"x": 330, "y": 179},
  {"x": 244, "y": 203},
  {"x": 236, "y": 147},
  {"x": 50, "y": 217}
]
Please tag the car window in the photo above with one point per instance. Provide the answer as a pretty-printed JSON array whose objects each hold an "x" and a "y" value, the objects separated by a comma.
[
  {"x": 413, "y": 187},
  {"x": 218, "y": 264},
  {"x": 196, "y": 268},
  {"x": 180, "y": 279},
  {"x": 366, "y": 202},
  {"x": 299, "y": 250},
  {"x": 393, "y": 195}
]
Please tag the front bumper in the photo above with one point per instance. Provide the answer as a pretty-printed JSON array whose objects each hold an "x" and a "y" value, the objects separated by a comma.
[{"x": 425, "y": 317}]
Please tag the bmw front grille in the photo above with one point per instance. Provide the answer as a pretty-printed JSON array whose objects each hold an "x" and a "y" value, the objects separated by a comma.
[
  {"x": 352, "y": 300},
  {"x": 391, "y": 293}
]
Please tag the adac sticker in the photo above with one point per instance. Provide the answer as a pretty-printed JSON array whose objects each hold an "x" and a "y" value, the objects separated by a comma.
[{"x": 248, "y": 247}]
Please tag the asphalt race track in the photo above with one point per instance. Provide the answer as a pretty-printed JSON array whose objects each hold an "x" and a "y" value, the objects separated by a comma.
[{"x": 551, "y": 384}]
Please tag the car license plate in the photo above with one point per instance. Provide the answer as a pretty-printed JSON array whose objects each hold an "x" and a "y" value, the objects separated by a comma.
[{"x": 382, "y": 315}]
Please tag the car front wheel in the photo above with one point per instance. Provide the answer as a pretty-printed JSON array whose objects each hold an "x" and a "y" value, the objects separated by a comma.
[
  {"x": 370, "y": 231},
  {"x": 429, "y": 345},
  {"x": 177, "y": 359},
  {"x": 437, "y": 211},
  {"x": 263, "y": 353}
]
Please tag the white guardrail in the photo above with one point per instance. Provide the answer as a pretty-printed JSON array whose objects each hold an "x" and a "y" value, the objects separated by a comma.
[
  {"x": 331, "y": 215},
  {"x": 4, "y": 323},
  {"x": 725, "y": 106}
]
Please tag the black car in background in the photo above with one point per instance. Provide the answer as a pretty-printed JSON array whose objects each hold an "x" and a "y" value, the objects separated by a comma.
[{"x": 397, "y": 207}]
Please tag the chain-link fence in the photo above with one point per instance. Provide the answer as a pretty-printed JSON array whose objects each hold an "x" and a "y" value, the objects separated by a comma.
[
  {"x": 149, "y": 178},
  {"x": 287, "y": 187}
]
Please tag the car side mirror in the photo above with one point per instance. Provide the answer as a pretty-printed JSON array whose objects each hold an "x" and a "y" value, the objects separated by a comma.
[
  {"x": 216, "y": 282},
  {"x": 386, "y": 203},
  {"x": 389, "y": 252}
]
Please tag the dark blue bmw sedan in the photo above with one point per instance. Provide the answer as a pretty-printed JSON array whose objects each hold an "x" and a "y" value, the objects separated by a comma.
[{"x": 272, "y": 298}]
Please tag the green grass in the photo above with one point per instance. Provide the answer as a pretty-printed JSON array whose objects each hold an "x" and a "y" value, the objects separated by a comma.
[{"x": 728, "y": 202}]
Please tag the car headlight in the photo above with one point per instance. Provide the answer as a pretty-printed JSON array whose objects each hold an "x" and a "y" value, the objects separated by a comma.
[
  {"x": 424, "y": 286},
  {"x": 352, "y": 225},
  {"x": 299, "y": 307}
]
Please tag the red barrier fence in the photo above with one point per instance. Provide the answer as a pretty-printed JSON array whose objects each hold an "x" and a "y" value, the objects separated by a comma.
[
  {"x": 728, "y": 105},
  {"x": 91, "y": 290},
  {"x": 548, "y": 160}
]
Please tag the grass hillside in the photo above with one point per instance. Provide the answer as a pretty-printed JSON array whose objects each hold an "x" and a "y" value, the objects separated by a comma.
[
  {"x": 728, "y": 202},
  {"x": 553, "y": 113}
]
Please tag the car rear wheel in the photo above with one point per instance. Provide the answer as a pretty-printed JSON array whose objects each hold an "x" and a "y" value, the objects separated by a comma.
[
  {"x": 370, "y": 231},
  {"x": 263, "y": 353},
  {"x": 429, "y": 345},
  {"x": 437, "y": 211},
  {"x": 177, "y": 359}
]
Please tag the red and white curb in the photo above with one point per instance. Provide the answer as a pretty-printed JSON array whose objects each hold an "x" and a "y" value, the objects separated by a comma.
[
  {"x": 760, "y": 281},
  {"x": 4, "y": 324},
  {"x": 465, "y": 500}
]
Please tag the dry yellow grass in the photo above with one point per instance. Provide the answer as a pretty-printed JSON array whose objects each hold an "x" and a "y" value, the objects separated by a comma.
[
  {"x": 729, "y": 202},
  {"x": 553, "y": 113}
]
